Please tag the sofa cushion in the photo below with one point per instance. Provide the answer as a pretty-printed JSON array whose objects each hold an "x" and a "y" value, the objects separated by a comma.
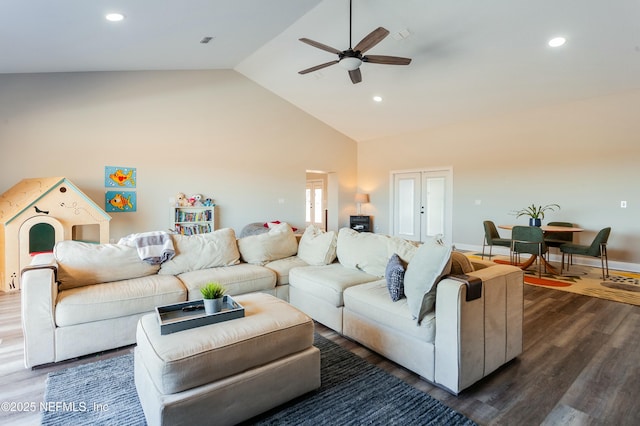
[
  {"x": 237, "y": 279},
  {"x": 394, "y": 276},
  {"x": 364, "y": 251},
  {"x": 278, "y": 243},
  {"x": 430, "y": 262},
  {"x": 327, "y": 282},
  {"x": 317, "y": 247},
  {"x": 117, "y": 299},
  {"x": 81, "y": 264},
  {"x": 282, "y": 267},
  {"x": 202, "y": 251},
  {"x": 460, "y": 264},
  {"x": 371, "y": 300}
]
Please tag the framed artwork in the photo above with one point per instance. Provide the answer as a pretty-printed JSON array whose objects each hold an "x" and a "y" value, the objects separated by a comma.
[
  {"x": 120, "y": 201},
  {"x": 119, "y": 177}
]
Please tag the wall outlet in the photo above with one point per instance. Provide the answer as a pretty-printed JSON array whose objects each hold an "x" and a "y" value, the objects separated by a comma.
[{"x": 623, "y": 204}]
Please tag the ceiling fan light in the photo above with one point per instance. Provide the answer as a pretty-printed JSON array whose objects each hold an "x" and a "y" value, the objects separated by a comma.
[{"x": 350, "y": 63}]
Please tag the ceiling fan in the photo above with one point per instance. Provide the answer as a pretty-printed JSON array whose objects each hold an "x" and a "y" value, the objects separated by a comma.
[{"x": 352, "y": 58}]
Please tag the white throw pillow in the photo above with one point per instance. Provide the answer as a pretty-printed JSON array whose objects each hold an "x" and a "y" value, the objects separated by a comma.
[
  {"x": 81, "y": 264},
  {"x": 363, "y": 250},
  {"x": 405, "y": 249},
  {"x": 430, "y": 262},
  {"x": 278, "y": 243},
  {"x": 202, "y": 251},
  {"x": 317, "y": 247}
]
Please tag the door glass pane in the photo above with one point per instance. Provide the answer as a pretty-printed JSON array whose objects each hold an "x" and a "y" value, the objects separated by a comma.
[
  {"x": 317, "y": 208},
  {"x": 307, "y": 205},
  {"x": 435, "y": 206},
  {"x": 406, "y": 203}
]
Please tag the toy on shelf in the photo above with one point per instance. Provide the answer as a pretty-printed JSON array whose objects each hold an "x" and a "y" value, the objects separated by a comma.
[
  {"x": 196, "y": 200},
  {"x": 208, "y": 202},
  {"x": 182, "y": 200}
]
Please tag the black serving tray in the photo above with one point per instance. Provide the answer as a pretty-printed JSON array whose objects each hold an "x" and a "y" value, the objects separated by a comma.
[{"x": 186, "y": 315}]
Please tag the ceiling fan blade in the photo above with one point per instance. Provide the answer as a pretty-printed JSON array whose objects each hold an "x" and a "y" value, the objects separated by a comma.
[
  {"x": 320, "y": 46},
  {"x": 317, "y": 67},
  {"x": 374, "y": 37},
  {"x": 356, "y": 76},
  {"x": 387, "y": 60}
]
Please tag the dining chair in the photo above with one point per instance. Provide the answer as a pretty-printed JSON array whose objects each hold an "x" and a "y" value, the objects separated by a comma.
[
  {"x": 597, "y": 248},
  {"x": 528, "y": 239},
  {"x": 492, "y": 237},
  {"x": 556, "y": 239}
]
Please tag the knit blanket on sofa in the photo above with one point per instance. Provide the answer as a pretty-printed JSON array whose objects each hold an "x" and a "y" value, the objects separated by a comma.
[{"x": 154, "y": 247}]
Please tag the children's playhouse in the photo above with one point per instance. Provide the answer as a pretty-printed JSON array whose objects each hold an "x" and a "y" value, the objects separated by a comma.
[{"x": 38, "y": 212}]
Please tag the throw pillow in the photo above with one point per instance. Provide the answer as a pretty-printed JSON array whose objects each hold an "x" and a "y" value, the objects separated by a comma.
[
  {"x": 81, "y": 264},
  {"x": 430, "y": 262},
  {"x": 317, "y": 247},
  {"x": 394, "y": 275},
  {"x": 460, "y": 264},
  {"x": 202, "y": 251},
  {"x": 363, "y": 251},
  {"x": 278, "y": 243},
  {"x": 403, "y": 248}
]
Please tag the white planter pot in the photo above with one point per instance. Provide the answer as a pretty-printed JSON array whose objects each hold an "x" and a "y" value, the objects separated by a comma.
[{"x": 212, "y": 306}]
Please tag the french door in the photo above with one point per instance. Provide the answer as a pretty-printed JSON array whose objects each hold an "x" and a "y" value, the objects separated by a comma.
[
  {"x": 314, "y": 204},
  {"x": 422, "y": 204}
]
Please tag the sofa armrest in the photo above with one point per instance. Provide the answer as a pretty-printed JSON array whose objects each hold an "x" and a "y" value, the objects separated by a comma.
[
  {"x": 473, "y": 338},
  {"x": 481, "y": 263},
  {"x": 39, "y": 291}
]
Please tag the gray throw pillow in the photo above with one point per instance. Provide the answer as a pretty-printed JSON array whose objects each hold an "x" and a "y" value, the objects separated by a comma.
[
  {"x": 431, "y": 261},
  {"x": 395, "y": 277}
]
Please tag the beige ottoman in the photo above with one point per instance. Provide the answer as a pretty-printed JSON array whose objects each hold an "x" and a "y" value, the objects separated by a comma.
[{"x": 227, "y": 372}]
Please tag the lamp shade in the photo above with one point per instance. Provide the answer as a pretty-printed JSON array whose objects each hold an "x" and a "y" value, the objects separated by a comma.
[{"x": 362, "y": 198}]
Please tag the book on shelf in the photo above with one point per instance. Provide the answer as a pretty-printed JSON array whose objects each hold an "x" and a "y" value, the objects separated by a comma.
[
  {"x": 192, "y": 229},
  {"x": 186, "y": 216}
]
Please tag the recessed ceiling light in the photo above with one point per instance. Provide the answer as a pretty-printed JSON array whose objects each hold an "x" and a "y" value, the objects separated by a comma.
[
  {"x": 377, "y": 98},
  {"x": 557, "y": 41},
  {"x": 114, "y": 17}
]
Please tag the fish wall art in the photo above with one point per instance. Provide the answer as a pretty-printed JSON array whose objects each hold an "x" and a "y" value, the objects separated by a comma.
[
  {"x": 120, "y": 177},
  {"x": 120, "y": 201}
]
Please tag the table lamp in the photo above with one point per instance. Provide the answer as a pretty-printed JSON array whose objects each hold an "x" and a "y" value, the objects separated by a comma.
[{"x": 361, "y": 198}]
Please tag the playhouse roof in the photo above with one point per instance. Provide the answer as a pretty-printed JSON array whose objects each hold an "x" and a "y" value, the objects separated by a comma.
[{"x": 27, "y": 192}]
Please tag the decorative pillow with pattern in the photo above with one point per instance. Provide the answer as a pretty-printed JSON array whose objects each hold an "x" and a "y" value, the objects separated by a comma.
[{"x": 394, "y": 275}]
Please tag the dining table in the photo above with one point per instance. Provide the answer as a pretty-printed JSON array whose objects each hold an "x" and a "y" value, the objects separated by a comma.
[{"x": 545, "y": 229}]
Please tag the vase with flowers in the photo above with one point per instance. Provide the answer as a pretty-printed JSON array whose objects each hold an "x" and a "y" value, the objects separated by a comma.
[{"x": 536, "y": 213}]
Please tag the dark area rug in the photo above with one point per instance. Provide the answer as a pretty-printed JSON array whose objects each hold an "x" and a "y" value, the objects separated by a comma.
[{"x": 353, "y": 392}]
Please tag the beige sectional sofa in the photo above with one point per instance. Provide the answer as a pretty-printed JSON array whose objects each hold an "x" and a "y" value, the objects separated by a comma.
[
  {"x": 86, "y": 298},
  {"x": 452, "y": 344}
]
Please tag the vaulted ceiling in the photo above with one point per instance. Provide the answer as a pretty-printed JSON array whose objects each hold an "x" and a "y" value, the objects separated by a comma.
[{"x": 470, "y": 59}]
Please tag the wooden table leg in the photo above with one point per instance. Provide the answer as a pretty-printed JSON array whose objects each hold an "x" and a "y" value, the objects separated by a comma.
[{"x": 548, "y": 267}]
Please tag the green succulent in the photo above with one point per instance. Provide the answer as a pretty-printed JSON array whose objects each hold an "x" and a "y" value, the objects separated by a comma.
[
  {"x": 536, "y": 212},
  {"x": 213, "y": 290}
]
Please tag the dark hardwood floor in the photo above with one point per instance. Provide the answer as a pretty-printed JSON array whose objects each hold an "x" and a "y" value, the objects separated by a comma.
[{"x": 580, "y": 366}]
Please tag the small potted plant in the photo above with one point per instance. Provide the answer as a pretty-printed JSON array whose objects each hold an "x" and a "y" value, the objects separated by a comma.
[
  {"x": 213, "y": 294},
  {"x": 536, "y": 213}
]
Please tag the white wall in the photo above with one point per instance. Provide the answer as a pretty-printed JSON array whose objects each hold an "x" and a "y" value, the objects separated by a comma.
[
  {"x": 210, "y": 132},
  {"x": 583, "y": 156}
]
